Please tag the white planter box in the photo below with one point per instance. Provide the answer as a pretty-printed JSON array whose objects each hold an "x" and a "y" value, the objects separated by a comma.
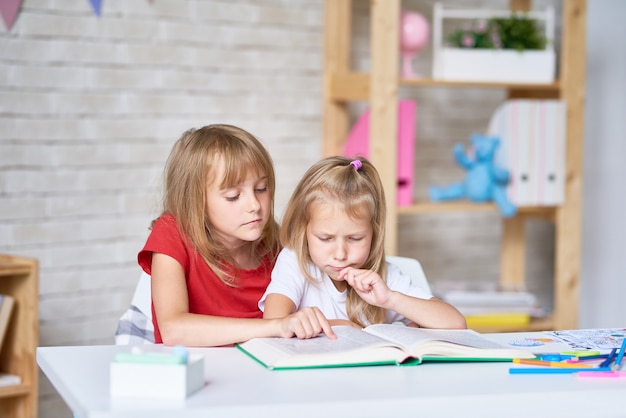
[{"x": 489, "y": 65}]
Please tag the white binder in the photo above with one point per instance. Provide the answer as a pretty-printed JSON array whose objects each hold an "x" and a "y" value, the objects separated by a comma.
[{"x": 532, "y": 135}]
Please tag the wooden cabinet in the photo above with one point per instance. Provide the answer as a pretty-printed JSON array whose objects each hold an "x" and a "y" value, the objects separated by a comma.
[
  {"x": 19, "y": 278},
  {"x": 380, "y": 88}
]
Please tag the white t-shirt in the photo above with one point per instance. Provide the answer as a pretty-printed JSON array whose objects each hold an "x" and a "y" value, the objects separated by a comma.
[{"x": 287, "y": 280}]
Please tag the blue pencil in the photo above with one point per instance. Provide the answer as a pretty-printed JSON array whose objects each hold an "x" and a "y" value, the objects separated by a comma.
[
  {"x": 609, "y": 359},
  {"x": 620, "y": 356},
  {"x": 555, "y": 370}
]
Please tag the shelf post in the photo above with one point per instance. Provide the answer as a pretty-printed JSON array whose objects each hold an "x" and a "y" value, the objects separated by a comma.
[
  {"x": 569, "y": 214},
  {"x": 336, "y": 62},
  {"x": 513, "y": 254},
  {"x": 19, "y": 277},
  {"x": 385, "y": 38}
]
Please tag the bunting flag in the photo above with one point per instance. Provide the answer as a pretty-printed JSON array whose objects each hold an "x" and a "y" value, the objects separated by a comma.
[
  {"x": 8, "y": 9},
  {"x": 96, "y": 5}
]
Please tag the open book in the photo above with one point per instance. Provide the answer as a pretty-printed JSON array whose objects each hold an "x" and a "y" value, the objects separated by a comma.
[{"x": 377, "y": 345}]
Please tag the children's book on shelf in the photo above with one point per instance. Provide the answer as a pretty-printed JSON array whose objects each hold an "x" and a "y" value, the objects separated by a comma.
[
  {"x": 6, "y": 308},
  {"x": 487, "y": 306},
  {"x": 483, "y": 298},
  {"x": 378, "y": 345},
  {"x": 501, "y": 319}
]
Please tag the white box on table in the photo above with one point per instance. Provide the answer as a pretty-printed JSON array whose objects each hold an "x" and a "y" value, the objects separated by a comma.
[{"x": 163, "y": 381}]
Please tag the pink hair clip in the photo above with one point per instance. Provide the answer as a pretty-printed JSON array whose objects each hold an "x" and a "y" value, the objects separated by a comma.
[{"x": 356, "y": 164}]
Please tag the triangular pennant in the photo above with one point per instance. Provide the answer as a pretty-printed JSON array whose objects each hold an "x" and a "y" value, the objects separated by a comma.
[
  {"x": 96, "y": 5},
  {"x": 8, "y": 9}
]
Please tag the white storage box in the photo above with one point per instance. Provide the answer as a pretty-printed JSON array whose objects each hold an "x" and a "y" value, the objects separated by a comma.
[
  {"x": 497, "y": 65},
  {"x": 162, "y": 381},
  {"x": 492, "y": 65}
]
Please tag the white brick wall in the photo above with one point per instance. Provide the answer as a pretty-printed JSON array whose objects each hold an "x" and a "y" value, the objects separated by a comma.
[{"x": 89, "y": 108}]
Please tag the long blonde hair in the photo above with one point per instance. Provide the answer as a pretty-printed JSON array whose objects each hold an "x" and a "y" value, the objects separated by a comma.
[
  {"x": 360, "y": 191},
  {"x": 189, "y": 168}
]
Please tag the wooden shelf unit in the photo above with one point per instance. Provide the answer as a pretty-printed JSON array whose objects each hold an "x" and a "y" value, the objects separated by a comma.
[
  {"x": 19, "y": 277},
  {"x": 380, "y": 88}
]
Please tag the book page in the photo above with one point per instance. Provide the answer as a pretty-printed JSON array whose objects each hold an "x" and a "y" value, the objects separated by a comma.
[
  {"x": 453, "y": 343},
  {"x": 351, "y": 346},
  {"x": 348, "y": 338}
]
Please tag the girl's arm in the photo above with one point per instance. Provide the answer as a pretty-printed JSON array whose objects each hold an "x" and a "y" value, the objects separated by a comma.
[
  {"x": 180, "y": 327},
  {"x": 278, "y": 306},
  {"x": 426, "y": 313}
]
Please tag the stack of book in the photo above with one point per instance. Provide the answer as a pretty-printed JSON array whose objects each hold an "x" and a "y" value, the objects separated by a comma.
[
  {"x": 492, "y": 308},
  {"x": 6, "y": 309}
]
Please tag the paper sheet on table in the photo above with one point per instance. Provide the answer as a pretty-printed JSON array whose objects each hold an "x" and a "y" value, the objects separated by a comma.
[{"x": 602, "y": 339}]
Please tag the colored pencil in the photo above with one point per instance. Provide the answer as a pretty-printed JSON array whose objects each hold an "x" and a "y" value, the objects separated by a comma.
[
  {"x": 620, "y": 356},
  {"x": 583, "y": 353},
  {"x": 602, "y": 374},
  {"x": 552, "y": 363},
  {"x": 609, "y": 359},
  {"x": 587, "y": 358},
  {"x": 555, "y": 370},
  {"x": 556, "y": 357}
]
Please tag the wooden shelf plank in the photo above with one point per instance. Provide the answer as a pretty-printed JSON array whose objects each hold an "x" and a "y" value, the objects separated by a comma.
[
  {"x": 10, "y": 266},
  {"x": 424, "y": 206},
  {"x": 355, "y": 86},
  {"x": 426, "y": 82},
  {"x": 14, "y": 390}
]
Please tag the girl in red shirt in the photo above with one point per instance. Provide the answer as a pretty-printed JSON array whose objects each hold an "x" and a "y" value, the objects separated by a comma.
[{"x": 211, "y": 252}]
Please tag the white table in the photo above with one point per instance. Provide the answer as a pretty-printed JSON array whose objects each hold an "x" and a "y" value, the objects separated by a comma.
[{"x": 237, "y": 386}]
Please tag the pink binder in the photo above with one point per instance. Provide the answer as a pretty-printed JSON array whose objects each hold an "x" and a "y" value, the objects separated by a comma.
[{"x": 357, "y": 144}]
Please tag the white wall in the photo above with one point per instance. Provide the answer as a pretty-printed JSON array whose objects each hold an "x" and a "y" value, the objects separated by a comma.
[
  {"x": 89, "y": 109},
  {"x": 604, "y": 210}
]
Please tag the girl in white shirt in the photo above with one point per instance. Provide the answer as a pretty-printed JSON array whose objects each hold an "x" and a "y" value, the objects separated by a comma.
[{"x": 333, "y": 232}]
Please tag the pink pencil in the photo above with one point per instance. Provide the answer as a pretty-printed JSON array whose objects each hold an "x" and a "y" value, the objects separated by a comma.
[{"x": 602, "y": 374}]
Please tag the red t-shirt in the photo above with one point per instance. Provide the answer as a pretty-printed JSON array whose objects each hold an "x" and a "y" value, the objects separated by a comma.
[{"x": 207, "y": 294}]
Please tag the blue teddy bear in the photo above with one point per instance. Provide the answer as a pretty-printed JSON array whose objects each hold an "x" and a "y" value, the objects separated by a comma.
[{"x": 483, "y": 182}]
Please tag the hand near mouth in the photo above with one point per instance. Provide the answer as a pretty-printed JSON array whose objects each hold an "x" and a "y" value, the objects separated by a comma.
[{"x": 368, "y": 284}]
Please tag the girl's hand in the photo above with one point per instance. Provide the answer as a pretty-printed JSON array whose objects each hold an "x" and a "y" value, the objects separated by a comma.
[
  {"x": 306, "y": 323},
  {"x": 368, "y": 285}
]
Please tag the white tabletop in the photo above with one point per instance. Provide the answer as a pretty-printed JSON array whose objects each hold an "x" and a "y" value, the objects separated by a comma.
[{"x": 235, "y": 385}]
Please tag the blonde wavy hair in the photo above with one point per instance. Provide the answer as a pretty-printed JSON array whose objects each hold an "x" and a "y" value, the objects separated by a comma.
[
  {"x": 360, "y": 192},
  {"x": 191, "y": 165}
]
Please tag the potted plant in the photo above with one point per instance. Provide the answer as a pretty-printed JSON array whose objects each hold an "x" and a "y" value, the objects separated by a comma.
[
  {"x": 508, "y": 47},
  {"x": 517, "y": 32}
]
